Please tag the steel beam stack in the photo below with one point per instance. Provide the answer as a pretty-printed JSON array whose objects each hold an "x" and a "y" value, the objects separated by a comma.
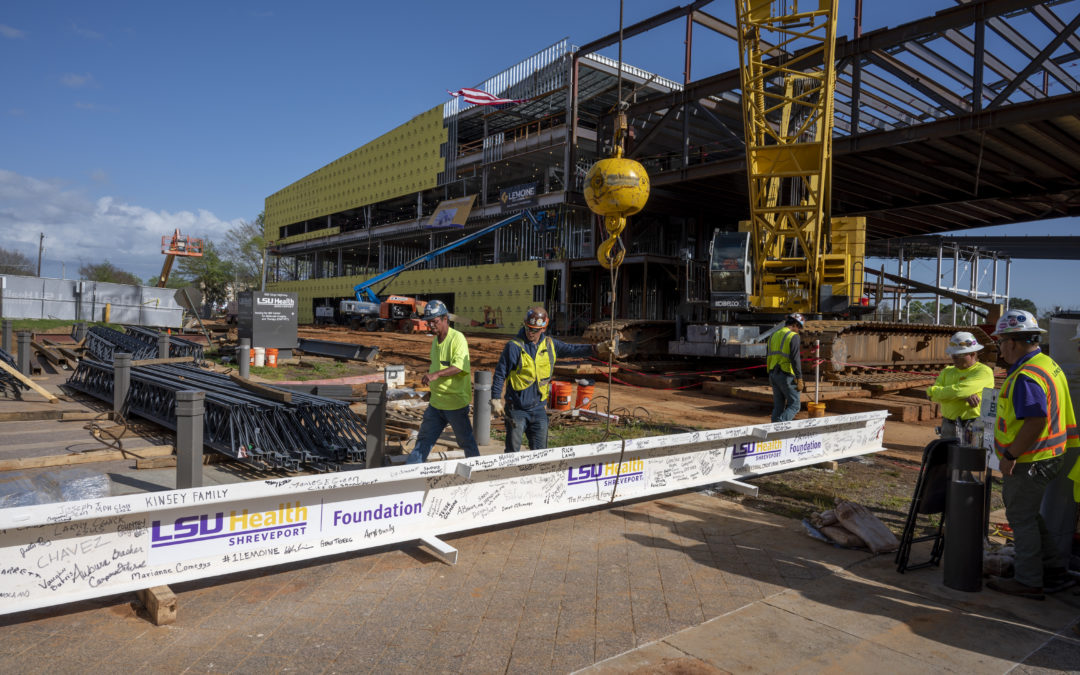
[
  {"x": 8, "y": 381},
  {"x": 178, "y": 346},
  {"x": 103, "y": 342},
  {"x": 308, "y": 432}
]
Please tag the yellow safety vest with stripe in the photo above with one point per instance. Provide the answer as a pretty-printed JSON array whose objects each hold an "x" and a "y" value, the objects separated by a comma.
[
  {"x": 1060, "y": 431},
  {"x": 779, "y": 350},
  {"x": 536, "y": 370}
]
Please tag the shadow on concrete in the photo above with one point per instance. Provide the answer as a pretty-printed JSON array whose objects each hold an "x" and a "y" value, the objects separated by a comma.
[{"x": 866, "y": 596}]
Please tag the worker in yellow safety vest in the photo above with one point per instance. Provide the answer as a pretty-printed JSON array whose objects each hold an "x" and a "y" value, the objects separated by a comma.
[
  {"x": 526, "y": 366},
  {"x": 784, "y": 366},
  {"x": 1035, "y": 425},
  {"x": 960, "y": 386}
]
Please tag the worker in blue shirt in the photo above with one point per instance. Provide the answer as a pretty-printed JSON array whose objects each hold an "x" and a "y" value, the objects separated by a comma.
[{"x": 526, "y": 365}]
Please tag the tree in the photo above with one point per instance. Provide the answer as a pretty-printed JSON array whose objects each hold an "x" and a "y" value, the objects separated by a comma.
[
  {"x": 209, "y": 272},
  {"x": 13, "y": 262},
  {"x": 1024, "y": 304},
  {"x": 243, "y": 248},
  {"x": 107, "y": 272}
]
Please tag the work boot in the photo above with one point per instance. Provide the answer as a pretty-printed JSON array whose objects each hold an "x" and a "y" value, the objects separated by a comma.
[
  {"x": 1057, "y": 579},
  {"x": 1014, "y": 587}
]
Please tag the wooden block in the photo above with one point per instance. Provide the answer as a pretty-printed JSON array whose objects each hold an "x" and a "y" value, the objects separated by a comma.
[
  {"x": 928, "y": 410},
  {"x": 900, "y": 412},
  {"x": 160, "y": 604},
  {"x": 717, "y": 388}
]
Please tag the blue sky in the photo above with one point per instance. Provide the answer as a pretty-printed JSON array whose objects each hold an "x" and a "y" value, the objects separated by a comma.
[{"x": 120, "y": 121}]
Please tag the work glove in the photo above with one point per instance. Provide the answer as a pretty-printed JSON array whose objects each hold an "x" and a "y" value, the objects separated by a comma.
[
  {"x": 799, "y": 385},
  {"x": 497, "y": 407}
]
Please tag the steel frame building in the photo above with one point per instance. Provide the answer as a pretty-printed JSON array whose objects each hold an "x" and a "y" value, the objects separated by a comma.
[{"x": 967, "y": 118}]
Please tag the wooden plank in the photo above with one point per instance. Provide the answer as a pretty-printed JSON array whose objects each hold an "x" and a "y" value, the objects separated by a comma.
[
  {"x": 170, "y": 461},
  {"x": 28, "y": 382},
  {"x": 897, "y": 385},
  {"x": 49, "y": 354},
  {"x": 656, "y": 381},
  {"x": 160, "y": 604},
  {"x": 162, "y": 362},
  {"x": 31, "y": 415},
  {"x": 901, "y": 412},
  {"x": 104, "y": 455},
  {"x": 583, "y": 370},
  {"x": 261, "y": 390}
]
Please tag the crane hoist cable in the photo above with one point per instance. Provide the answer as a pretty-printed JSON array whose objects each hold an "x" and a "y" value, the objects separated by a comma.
[{"x": 615, "y": 188}]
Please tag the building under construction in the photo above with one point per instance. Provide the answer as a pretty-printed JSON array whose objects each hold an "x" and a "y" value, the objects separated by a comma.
[{"x": 963, "y": 119}]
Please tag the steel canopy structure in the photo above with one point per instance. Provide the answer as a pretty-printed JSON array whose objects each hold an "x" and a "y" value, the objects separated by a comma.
[{"x": 967, "y": 118}]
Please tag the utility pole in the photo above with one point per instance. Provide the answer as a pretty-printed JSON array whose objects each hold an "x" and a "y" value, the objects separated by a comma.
[{"x": 41, "y": 248}]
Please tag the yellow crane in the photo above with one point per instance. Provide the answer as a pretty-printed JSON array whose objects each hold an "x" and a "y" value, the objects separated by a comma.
[{"x": 800, "y": 259}]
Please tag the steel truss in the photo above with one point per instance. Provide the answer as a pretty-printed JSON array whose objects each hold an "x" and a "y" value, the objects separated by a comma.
[
  {"x": 310, "y": 432},
  {"x": 178, "y": 347},
  {"x": 103, "y": 343}
]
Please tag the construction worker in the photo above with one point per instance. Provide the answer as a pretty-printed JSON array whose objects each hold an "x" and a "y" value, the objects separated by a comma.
[
  {"x": 526, "y": 365},
  {"x": 784, "y": 366},
  {"x": 1034, "y": 427},
  {"x": 959, "y": 387},
  {"x": 451, "y": 387}
]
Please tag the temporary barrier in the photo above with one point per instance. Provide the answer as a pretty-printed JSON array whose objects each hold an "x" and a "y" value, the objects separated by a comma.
[
  {"x": 260, "y": 356},
  {"x": 56, "y": 553},
  {"x": 584, "y": 394},
  {"x": 271, "y": 357},
  {"x": 561, "y": 393}
]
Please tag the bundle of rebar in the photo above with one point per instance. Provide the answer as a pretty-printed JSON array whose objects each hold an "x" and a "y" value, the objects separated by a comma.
[
  {"x": 178, "y": 346},
  {"x": 8, "y": 381},
  {"x": 103, "y": 342},
  {"x": 310, "y": 432}
]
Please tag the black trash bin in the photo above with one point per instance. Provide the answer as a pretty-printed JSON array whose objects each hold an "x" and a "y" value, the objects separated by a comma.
[{"x": 964, "y": 522}]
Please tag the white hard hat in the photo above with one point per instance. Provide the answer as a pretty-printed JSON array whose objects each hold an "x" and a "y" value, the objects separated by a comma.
[
  {"x": 962, "y": 343},
  {"x": 1017, "y": 321}
]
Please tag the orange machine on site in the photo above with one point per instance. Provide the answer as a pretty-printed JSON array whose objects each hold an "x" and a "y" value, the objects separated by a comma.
[{"x": 177, "y": 245}]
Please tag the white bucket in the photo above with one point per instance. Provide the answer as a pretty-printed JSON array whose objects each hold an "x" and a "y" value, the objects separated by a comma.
[
  {"x": 395, "y": 376},
  {"x": 260, "y": 355}
]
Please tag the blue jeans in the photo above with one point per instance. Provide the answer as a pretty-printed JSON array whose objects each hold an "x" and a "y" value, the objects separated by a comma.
[
  {"x": 432, "y": 425},
  {"x": 784, "y": 395},
  {"x": 533, "y": 423}
]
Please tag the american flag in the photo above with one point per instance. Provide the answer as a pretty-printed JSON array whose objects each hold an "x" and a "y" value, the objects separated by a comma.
[{"x": 480, "y": 97}]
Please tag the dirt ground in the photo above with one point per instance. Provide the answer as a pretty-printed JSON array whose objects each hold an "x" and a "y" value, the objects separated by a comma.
[{"x": 883, "y": 482}]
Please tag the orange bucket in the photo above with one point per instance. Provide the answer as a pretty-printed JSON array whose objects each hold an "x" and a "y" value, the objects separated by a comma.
[
  {"x": 560, "y": 395},
  {"x": 271, "y": 357},
  {"x": 584, "y": 395},
  {"x": 251, "y": 351}
]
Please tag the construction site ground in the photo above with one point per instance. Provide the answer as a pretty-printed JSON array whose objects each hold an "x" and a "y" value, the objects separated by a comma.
[{"x": 693, "y": 582}]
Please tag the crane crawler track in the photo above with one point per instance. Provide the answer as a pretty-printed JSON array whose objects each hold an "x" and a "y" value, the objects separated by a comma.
[{"x": 854, "y": 346}]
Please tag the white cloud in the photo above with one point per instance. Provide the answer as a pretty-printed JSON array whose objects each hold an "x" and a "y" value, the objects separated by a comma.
[
  {"x": 76, "y": 81},
  {"x": 79, "y": 228},
  {"x": 11, "y": 33},
  {"x": 86, "y": 32}
]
